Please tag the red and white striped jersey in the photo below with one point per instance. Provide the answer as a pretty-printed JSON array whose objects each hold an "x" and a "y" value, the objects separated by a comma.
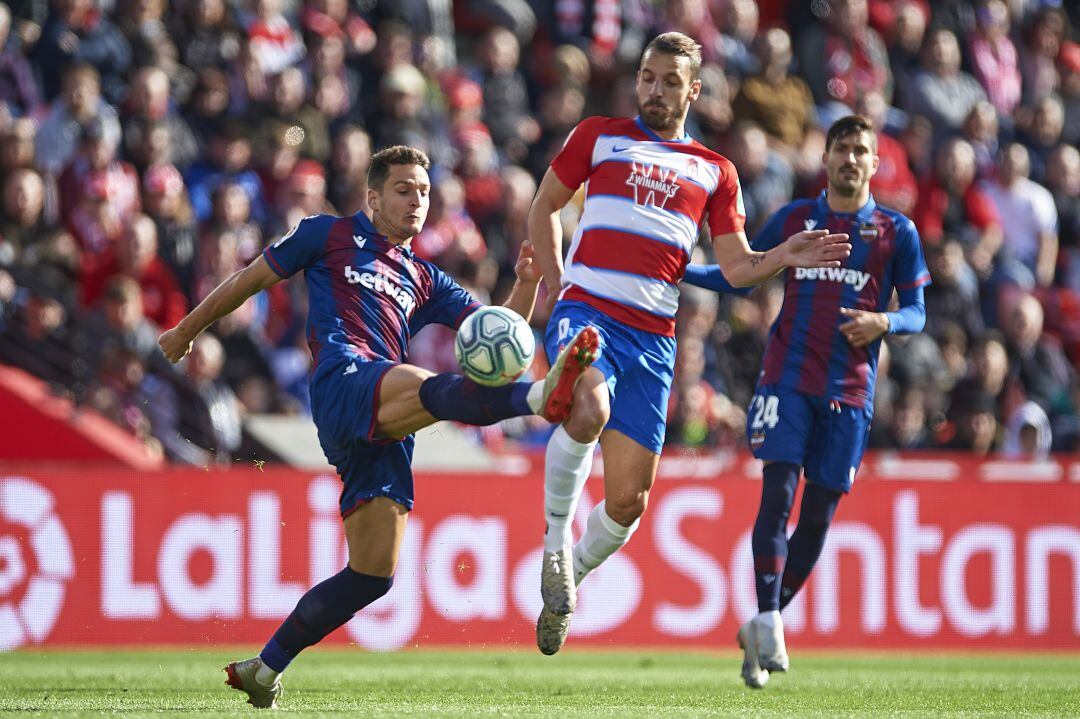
[{"x": 646, "y": 199}]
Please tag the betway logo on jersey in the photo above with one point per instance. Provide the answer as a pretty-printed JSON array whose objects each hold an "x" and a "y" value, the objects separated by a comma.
[
  {"x": 381, "y": 283},
  {"x": 851, "y": 277},
  {"x": 652, "y": 184}
]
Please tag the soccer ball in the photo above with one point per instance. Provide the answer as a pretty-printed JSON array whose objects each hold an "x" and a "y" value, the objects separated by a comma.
[{"x": 494, "y": 346}]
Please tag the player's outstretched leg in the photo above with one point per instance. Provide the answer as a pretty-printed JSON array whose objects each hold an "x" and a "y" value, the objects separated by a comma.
[{"x": 415, "y": 399}]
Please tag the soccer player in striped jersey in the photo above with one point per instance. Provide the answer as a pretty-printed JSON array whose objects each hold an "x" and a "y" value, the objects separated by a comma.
[
  {"x": 367, "y": 295},
  {"x": 814, "y": 399},
  {"x": 650, "y": 191}
]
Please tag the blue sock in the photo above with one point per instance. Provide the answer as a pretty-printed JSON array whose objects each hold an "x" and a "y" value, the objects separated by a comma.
[
  {"x": 458, "y": 398},
  {"x": 815, "y": 514},
  {"x": 323, "y": 609},
  {"x": 769, "y": 538}
]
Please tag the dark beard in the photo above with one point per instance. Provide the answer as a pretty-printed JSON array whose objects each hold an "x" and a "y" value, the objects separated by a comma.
[{"x": 668, "y": 122}]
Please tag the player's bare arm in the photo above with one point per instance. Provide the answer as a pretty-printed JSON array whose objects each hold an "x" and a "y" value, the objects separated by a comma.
[
  {"x": 545, "y": 231},
  {"x": 522, "y": 297},
  {"x": 226, "y": 297},
  {"x": 743, "y": 266}
]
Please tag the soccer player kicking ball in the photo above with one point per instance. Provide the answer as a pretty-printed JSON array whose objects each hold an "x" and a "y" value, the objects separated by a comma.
[
  {"x": 649, "y": 191},
  {"x": 815, "y": 396},
  {"x": 367, "y": 296}
]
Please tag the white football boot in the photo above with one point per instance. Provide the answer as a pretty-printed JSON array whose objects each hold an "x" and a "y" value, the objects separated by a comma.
[
  {"x": 772, "y": 653},
  {"x": 241, "y": 676},
  {"x": 753, "y": 675},
  {"x": 559, "y": 592}
]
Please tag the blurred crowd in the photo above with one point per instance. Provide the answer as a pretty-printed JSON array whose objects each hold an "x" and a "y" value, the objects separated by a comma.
[{"x": 149, "y": 148}]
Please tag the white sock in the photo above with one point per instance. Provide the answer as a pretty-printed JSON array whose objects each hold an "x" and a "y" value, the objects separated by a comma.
[
  {"x": 535, "y": 397},
  {"x": 603, "y": 537},
  {"x": 265, "y": 675},
  {"x": 567, "y": 464}
]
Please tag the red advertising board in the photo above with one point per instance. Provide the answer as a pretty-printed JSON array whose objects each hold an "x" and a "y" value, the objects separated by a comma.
[{"x": 104, "y": 557}]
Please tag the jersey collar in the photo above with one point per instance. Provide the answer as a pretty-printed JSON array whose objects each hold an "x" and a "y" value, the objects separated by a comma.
[
  {"x": 653, "y": 136},
  {"x": 864, "y": 213},
  {"x": 367, "y": 227}
]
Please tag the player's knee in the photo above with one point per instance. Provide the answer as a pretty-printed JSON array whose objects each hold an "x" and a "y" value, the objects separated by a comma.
[
  {"x": 626, "y": 509},
  {"x": 587, "y": 417}
]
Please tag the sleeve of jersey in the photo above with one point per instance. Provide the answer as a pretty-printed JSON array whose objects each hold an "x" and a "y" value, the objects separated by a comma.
[
  {"x": 450, "y": 303},
  {"x": 300, "y": 247},
  {"x": 727, "y": 214},
  {"x": 771, "y": 233},
  {"x": 711, "y": 277},
  {"x": 910, "y": 268},
  {"x": 574, "y": 161}
]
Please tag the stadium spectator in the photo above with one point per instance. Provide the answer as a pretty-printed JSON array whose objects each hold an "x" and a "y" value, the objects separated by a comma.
[
  {"x": 1042, "y": 39},
  {"x": 22, "y": 199},
  {"x": 775, "y": 99},
  {"x": 286, "y": 105},
  {"x": 505, "y": 95},
  {"x": 17, "y": 146},
  {"x": 1028, "y": 218},
  {"x": 994, "y": 58},
  {"x": 1040, "y": 131},
  {"x": 136, "y": 256},
  {"x": 765, "y": 176},
  {"x": 1036, "y": 359},
  {"x": 740, "y": 20},
  {"x": 78, "y": 32},
  {"x": 208, "y": 37},
  {"x": 981, "y": 130},
  {"x": 95, "y": 162},
  {"x": 450, "y": 236},
  {"x": 1027, "y": 433},
  {"x": 274, "y": 43},
  {"x": 953, "y": 298},
  {"x": 228, "y": 159},
  {"x": 952, "y": 204},
  {"x": 349, "y": 160},
  {"x": 148, "y": 100},
  {"x": 19, "y": 92},
  {"x": 843, "y": 58},
  {"x": 1069, "y": 69},
  {"x": 79, "y": 102},
  {"x": 1063, "y": 181},
  {"x": 941, "y": 91},
  {"x": 142, "y": 23},
  {"x": 165, "y": 202}
]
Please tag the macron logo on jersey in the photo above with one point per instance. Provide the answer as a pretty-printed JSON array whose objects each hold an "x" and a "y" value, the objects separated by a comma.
[
  {"x": 848, "y": 276},
  {"x": 649, "y": 181},
  {"x": 381, "y": 283}
]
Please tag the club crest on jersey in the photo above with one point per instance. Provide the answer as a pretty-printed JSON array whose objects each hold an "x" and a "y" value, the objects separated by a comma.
[
  {"x": 382, "y": 284},
  {"x": 846, "y": 275},
  {"x": 653, "y": 184},
  {"x": 868, "y": 231}
]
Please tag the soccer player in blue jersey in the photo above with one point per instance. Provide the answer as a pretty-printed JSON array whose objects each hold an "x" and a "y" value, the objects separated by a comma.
[
  {"x": 813, "y": 402},
  {"x": 367, "y": 296}
]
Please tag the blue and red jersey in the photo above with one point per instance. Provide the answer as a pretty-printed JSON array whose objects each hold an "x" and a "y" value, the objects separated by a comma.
[
  {"x": 806, "y": 351},
  {"x": 366, "y": 296}
]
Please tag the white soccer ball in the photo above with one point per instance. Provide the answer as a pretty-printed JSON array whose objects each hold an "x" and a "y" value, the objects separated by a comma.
[{"x": 494, "y": 346}]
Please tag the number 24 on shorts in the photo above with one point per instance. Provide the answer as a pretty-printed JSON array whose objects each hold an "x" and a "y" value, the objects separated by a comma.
[{"x": 764, "y": 411}]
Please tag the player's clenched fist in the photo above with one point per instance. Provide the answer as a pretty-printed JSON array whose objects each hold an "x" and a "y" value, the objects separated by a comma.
[
  {"x": 174, "y": 344},
  {"x": 817, "y": 248}
]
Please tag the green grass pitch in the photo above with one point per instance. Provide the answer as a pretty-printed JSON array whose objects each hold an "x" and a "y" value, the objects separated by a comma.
[{"x": 522, "y": 683}]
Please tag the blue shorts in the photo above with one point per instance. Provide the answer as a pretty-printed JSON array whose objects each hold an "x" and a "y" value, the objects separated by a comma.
[
  {"x": 821, "y": 435},
  {"x": 344, "y": 405},
  {"x": 637, "y": 365}
]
